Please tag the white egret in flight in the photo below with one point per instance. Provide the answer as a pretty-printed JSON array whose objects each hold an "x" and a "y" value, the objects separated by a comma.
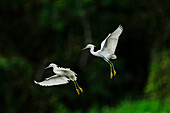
[
  {"x": 62, "y": 76},
  {"x": 107, "y": 50}
]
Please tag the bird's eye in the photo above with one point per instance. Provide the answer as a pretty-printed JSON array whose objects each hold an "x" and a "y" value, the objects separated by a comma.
[
  {"x": 49, "y": 66},
  {"x": 86, "y": 46}
]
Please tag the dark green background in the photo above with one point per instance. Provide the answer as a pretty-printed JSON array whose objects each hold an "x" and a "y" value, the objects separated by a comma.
[{"x": 34, "y": 33}]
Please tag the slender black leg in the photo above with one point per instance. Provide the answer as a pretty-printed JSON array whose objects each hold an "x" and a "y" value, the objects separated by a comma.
[
  {"x": 111, "y": 67},
  {"x": 77, "y": 87}
]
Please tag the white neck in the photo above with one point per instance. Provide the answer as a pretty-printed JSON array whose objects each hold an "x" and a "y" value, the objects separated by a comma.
[
  {"x": 54, "y": 67},
  {"x": 92, "y": 51}
]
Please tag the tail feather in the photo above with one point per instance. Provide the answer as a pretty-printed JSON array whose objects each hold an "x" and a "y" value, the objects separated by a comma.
[{"x": 113, "y": 56}]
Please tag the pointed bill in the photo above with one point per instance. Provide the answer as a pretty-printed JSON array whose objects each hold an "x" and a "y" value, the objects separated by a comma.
[{"x": 84, "y": 48}]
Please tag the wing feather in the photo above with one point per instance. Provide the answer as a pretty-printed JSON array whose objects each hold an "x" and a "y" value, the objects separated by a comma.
[
  {"x": 53, "y": 80},
  {"x": 110, "y": 43}
]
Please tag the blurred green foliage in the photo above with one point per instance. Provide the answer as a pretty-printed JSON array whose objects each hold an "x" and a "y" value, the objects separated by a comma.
[
  {"x": 35, "y": 33},
  {"x": 158, "y": 83},
  {"x": 144, "y": 106}
]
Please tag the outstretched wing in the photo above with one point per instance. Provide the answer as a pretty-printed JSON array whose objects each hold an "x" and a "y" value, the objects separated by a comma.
[
  {"x": 110, "y": 43},
  {"x": 53, "y": 80}
]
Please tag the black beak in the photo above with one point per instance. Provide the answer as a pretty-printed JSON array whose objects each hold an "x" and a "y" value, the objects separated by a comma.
[
  {"x": 46, "y": 67},
  {"x": 84, "y": 48}
]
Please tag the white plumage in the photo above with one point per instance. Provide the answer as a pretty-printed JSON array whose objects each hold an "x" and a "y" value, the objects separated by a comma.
[
  {"x": 108, "y": 47},
  {"x": 54, "y": 80},
  {"x": 62, "y": 76},
  {"x": 110, "y": 43}
]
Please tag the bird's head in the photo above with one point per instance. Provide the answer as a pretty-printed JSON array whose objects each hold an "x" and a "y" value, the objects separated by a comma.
[
  {"x": 51, "y": 65},
  {"x": 89, "y": 46}
]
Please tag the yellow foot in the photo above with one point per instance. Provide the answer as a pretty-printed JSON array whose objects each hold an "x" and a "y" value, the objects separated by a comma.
[
  {"x": 78, "y": 91},
  {"x": 111, "y": 75},
  {"x": 81, "y": 89},
  {"x": 114, "y": 73}
]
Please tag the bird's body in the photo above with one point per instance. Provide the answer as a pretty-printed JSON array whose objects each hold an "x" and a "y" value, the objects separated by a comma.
[
  {"x": 62, "y": 76},
  {"x": 102, "y": 54},
  {"x": 65, "y": 72},
  {"x": 108, "y": 47}
]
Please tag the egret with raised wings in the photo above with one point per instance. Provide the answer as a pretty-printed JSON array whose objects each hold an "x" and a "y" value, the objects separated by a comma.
[
  {"x": 108, "y": 47},
  {"x": 62, "y": 76}
]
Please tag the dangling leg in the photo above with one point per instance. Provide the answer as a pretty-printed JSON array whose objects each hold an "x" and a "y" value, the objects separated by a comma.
[
  {"x": 111, "y": 72},
  {"x": 79, "y": 87},
  {"x": 76, "y": 87},
  {"x": 111, "y": 67}
]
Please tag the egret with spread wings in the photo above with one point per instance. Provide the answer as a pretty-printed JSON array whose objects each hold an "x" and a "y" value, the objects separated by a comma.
[
  {"x": 62, "y": 76},
  {"x": 108, "y": 47}
]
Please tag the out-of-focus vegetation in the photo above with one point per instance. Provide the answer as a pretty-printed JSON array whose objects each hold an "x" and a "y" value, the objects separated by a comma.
[
  {"x": 35, "y": 33},
  {"x": 144, "y": 106}
]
